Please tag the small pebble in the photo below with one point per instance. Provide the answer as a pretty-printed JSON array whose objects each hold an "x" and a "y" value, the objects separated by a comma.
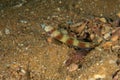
[
  {"x": 49, "y": 40},
  {"x": 24, "y": 21},
  {"x": 58, "y": 9},
  {"x": 73, "y": 67},
  {"x": 18, "y": 5},
  {"x": 7, "y": 31},
  {"x": 99, "y": 76},
  {"x": 20, "y": 44},
  {"x": 23, "y": 71},
  {"x": 103, "y": 20}
]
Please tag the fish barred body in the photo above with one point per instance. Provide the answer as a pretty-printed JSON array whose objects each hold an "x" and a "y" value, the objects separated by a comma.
[{"x": 64, "y": 38}]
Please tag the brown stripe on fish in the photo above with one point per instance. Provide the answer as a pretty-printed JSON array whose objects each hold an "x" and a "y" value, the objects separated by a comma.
[
  {"x": 85, "y": 45},
  {"x": 82, "y": 45},
  {"x": 58, "y": 37},
  {"x": 70, "y": 41}
]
